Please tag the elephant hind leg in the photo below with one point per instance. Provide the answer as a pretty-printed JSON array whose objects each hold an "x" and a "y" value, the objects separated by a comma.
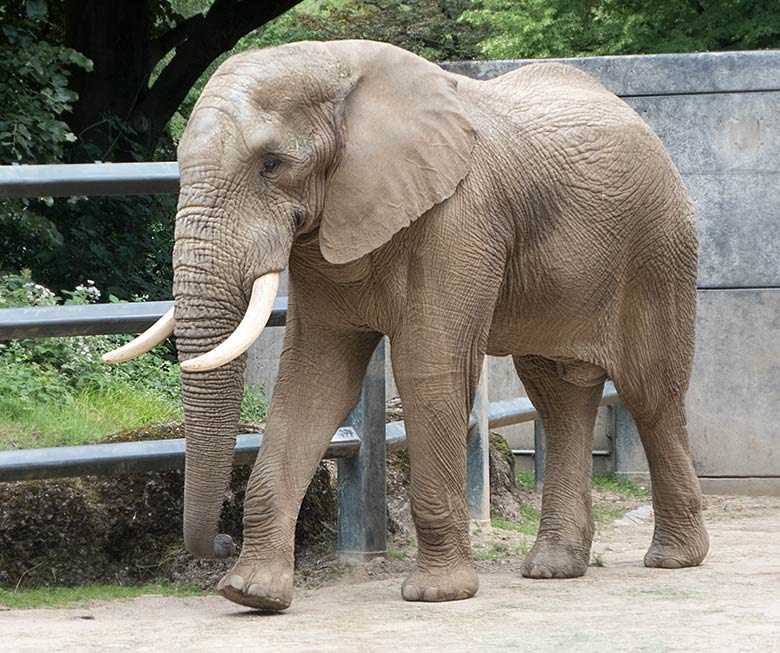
[
  {"x": 568, "y": 410},
  {"x": 680, "y": 538}
]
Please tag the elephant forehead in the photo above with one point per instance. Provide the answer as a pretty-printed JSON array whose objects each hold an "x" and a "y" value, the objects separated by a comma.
[{"x": 295, "y": 73}]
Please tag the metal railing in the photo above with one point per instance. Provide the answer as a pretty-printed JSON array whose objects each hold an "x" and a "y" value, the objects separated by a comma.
[{"x": 360, "y": 447}]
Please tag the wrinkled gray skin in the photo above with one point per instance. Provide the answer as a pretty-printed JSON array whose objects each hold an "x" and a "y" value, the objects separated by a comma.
[{"x": 534, "y": 215}]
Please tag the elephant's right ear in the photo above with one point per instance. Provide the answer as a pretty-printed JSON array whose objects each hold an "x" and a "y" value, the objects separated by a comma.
[{"x": 406, "y": 146}]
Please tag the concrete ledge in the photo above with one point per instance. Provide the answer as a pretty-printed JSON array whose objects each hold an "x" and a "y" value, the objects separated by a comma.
[
  {"x": 657, "y": 74},
  {"x": 756, "y": 486}
]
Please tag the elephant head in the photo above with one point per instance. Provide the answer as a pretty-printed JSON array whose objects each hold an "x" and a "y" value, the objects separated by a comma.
[{"x": 355, "y": 139}]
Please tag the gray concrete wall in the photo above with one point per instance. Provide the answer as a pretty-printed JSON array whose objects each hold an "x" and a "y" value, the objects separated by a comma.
[{"x": 719, "y": 116}]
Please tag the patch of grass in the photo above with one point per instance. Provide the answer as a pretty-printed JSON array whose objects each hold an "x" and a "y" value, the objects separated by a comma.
[
  {"x": 605, "y": 515},
  {"x": 598, "y": 560},
  {"x": 254, "y": 406},
  {"x": 529, "y": 525},
  {"x": 601, "y": 482},
  {"x": 50, "y": 597},
  {"x": 396, "y": 554},
  {"x": 86, "y": 417},
  {"x": 94, "y": 414},
  {"x": 500, "y": 550},
  {"x": 526, "y": 480},
  {"x": 619, "y": 485}
]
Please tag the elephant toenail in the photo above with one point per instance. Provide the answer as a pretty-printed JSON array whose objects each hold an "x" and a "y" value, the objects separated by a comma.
[
  {"x": 433, "y": 594},
  {"x": 236, "y": 582},
  {"x": 410, "y": 593}
]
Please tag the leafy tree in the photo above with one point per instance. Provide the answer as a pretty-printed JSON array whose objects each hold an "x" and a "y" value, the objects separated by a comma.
[
  {"x": 430, "y": 28},
  {"x": 35, "y": 97},
  {"x": 563, "y": 28},
  {"x": 58, "y": 106},
  {"x": 147, "y": 55}
]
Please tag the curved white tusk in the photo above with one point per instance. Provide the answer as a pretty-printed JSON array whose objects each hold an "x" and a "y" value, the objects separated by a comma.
[
  {"x": 261, "y": 304},
  {"x": 153, "y": 336}
]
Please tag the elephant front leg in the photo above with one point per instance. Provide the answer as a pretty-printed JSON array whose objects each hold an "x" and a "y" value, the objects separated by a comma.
[
  {"x": 437, "y": 390},
  {"x": 319, "y": 382}
]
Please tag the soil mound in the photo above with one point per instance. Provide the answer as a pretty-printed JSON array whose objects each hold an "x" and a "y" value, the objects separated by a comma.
[{"x": 127, "y": 529}]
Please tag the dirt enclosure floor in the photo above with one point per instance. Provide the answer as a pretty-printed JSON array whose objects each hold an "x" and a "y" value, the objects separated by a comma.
[{"x": 731, "y": 603}]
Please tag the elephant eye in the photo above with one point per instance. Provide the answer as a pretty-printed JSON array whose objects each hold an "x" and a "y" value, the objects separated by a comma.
[
  {"x": 270, "y": 167},
  {"x": 297, "y": 218}
]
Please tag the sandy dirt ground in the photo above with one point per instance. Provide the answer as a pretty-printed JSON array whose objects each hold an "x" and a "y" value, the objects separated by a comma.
[{"x": 731, "y": 603}]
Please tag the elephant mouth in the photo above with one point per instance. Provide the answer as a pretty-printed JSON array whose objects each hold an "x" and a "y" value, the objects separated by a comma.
[{"x": 261, "y": 302}]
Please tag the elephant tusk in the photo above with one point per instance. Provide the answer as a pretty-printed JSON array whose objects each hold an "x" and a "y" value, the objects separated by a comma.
[
  {"x": 261, "y": 304},
  {"x": 153, "y": 336}
]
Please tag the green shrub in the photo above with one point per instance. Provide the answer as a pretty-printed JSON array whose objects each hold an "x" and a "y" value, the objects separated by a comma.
[{"x": 58, "y": 391}]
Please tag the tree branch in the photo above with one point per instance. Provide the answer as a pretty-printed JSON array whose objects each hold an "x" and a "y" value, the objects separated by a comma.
[
  {"x": 217, "y": 32},
  {"x": 164, "y": 43}
]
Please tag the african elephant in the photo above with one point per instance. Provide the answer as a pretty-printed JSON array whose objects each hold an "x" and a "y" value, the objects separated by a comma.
[{"x": 534, "y": 215}]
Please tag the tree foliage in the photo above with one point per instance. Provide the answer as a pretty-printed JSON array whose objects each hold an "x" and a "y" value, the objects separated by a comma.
[
  {"x": 35, "y": 99},
  {"x": 147, "y": 56},
  {"x": 566, "y": 28},
  {"x": 430, "y": 28},
  {"x": 59, "y": 107}
]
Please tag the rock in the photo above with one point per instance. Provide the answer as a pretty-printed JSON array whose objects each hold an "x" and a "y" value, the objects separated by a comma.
[{"x": 635, "y": 517}]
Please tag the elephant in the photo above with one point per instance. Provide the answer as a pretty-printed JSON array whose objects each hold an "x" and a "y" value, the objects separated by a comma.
[{"x": 534, "y": 215}]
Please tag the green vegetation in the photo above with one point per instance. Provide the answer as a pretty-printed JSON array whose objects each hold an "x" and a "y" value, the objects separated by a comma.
[
  {"x": 529, "y": 525},
  {"x": 81, "y": 418},
  {"x": 500, "y": 550},
  {"x": 619, "y": 485},
  {"x": 57, "y": 391},
  {"x": 604, "y": 515},
  {"x": 50, "y": 597},
  {"x": 396, "y": 554},
  {"x": 570, "y": 28},
  {"x": 601, "y": 483},
  {"x": 526, "y": 480}
]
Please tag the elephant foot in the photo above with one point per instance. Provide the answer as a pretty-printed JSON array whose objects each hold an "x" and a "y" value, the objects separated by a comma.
[
  {"x": 555, "y": 560},
  {"x": 674, "y": 548},
  {"x": 454, "y": 585},
  {"x": 259, "y": 585}
]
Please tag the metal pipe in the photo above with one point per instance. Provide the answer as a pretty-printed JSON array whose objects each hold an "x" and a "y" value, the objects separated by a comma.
[
  {"x": 134, "y": 457},
  {"x": 158, "y": 455},
  {"x": 531, "y": 452},
  {"x": 63, "y": 180},
  {"x": 95, "y": 319}
]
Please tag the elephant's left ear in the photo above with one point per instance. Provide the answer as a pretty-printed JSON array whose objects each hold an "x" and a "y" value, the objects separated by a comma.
[{"x": 406, "y": 146}]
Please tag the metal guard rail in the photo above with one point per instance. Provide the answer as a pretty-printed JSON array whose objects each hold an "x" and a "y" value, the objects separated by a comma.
[
  {"x": 161, "y": 455},
  {"x": 95, "y": 319}
]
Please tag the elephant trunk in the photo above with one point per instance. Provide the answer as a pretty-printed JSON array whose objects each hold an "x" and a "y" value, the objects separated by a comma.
[
  {"x": 212, "y": 407},
  {"x": 213, "y": 281}
]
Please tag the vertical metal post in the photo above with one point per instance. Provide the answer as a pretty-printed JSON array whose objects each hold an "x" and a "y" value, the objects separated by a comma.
[
  {"x": 540, "y": 453},
  {"x": 362, "y": 504},
  {"x": 477, "y": 455},
  {"x": 629, "y": 454}
]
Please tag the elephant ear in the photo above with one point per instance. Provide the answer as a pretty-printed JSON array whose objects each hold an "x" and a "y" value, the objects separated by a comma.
[{"x": 406, "y": 146}]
